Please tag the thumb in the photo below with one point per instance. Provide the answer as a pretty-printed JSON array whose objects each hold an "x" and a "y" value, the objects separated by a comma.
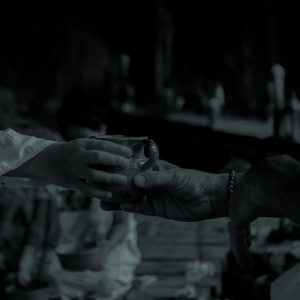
[{"x": 155, "y": 179}]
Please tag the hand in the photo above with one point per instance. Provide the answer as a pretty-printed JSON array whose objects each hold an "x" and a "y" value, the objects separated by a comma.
[
  {"x": 181, "y": 194},
  {"x": 190, "y": 195},
  {"x": 68, "y": 164}
]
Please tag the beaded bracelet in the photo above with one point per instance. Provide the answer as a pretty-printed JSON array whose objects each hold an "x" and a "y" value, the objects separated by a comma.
[{"x": 231, "y": 186}]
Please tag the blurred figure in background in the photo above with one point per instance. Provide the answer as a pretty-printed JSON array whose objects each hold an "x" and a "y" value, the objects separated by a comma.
[
  {"x": 28, "y": 215},
  {"x": 29, "y": 230},
  {"x": 62, "y": 62},
  {"x": 82, "y": 114}
]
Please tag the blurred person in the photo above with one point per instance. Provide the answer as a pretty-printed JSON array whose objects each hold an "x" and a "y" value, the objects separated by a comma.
[{"x": 83, "y": 224}]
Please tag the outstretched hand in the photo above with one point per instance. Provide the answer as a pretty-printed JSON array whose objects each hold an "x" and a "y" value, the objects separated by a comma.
[
  {"x": 69, "y": 164},
  {"x": 180, "y": 194},
  {"x": 269, "y": 189}
]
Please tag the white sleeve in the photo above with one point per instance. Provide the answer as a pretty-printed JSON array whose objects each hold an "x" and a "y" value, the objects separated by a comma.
[{"x": 16, "y": 149}]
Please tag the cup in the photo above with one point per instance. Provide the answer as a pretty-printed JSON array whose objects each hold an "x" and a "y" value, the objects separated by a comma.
[{"x": 139, "y": 163}]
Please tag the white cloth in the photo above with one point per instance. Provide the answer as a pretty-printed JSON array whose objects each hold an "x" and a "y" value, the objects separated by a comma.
[
  {"x": 124, "y": 258},
  {"x": 116, "y": 276},
  {"x": 16, "y": 149}
]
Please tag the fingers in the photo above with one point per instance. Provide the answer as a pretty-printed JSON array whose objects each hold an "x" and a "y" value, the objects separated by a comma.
[
  {"x": 239, "y": 243},
  {"x": 97, "y": 176},
  {"x": 91, "y": 190},
  {"x": 105, "y": 158},
  {"x": 94, "y": 144},
  {"x": 155, "y": 179}
]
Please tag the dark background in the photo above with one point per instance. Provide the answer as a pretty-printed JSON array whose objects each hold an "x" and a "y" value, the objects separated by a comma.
[
  {"x": 205, "y": 30},
  {"x": 206, "y": 35}
]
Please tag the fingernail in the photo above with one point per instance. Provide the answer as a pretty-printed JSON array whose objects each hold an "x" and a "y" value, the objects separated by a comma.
[{"x": 140, "y": 180}]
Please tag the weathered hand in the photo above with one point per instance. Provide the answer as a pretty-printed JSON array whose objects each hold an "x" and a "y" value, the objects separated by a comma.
[{"x": 181, "y": 194}]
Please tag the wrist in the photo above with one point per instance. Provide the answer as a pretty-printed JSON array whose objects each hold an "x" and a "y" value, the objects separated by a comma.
[{"x": 219, "y": 193}]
